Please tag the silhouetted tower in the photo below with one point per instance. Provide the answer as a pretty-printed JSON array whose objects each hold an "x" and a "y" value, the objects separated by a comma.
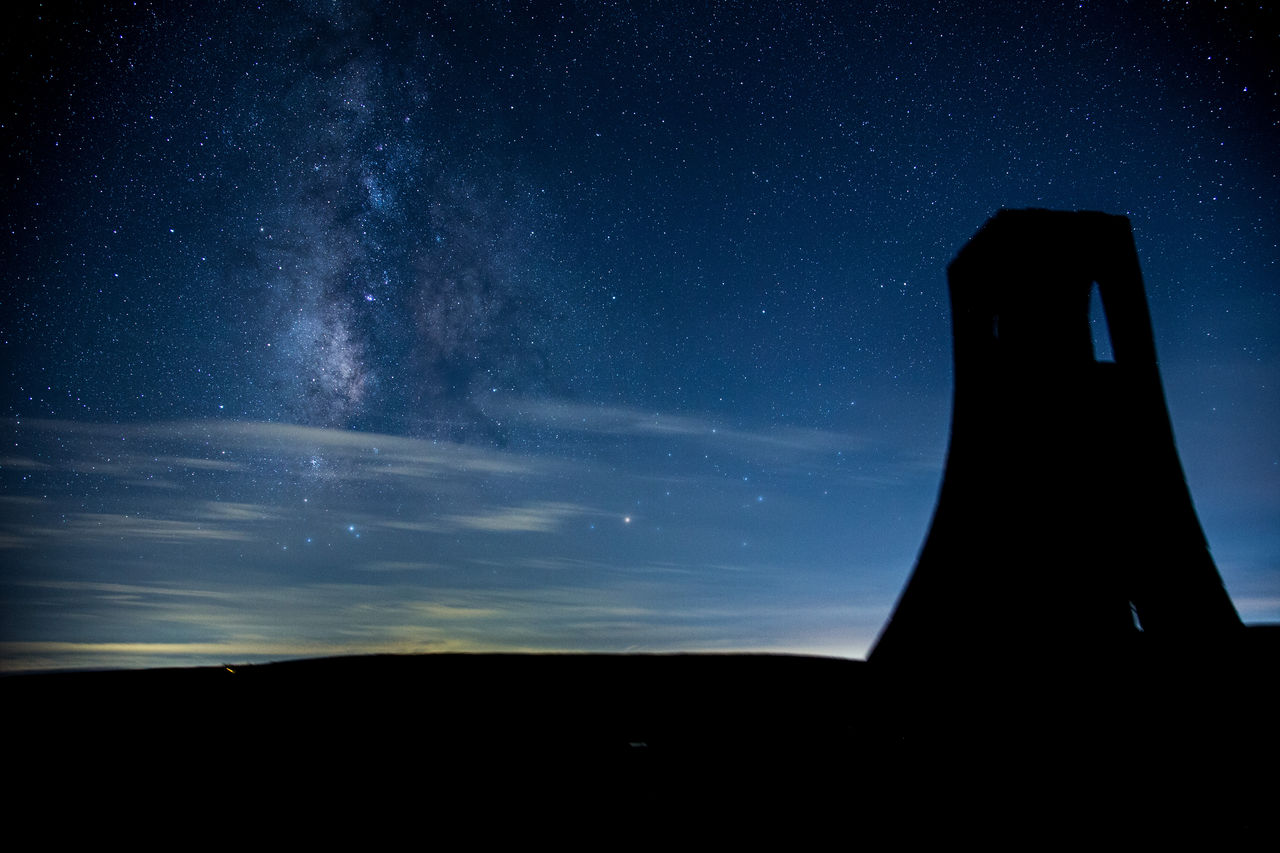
[{"x": 1064, "y": 526}]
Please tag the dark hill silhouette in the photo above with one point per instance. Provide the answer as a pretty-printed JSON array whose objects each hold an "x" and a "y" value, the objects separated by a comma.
[{"x": 645, "y": 744}]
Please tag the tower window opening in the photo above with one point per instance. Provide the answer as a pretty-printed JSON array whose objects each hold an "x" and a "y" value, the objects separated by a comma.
[{"x": 1098, "y": 327}]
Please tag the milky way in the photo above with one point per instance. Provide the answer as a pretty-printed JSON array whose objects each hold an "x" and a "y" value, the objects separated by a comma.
[{"x": 399, "y": 273}]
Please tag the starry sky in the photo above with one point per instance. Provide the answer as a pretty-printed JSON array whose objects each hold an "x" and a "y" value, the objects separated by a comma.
[{"x": 334, "y": 328}]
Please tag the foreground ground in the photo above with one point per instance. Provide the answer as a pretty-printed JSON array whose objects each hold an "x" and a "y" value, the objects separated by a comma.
[{"x": 729, "y": 740}]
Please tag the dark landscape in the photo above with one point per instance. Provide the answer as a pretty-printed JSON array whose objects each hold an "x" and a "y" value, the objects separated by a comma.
[{"x": 1146, "y": 745}]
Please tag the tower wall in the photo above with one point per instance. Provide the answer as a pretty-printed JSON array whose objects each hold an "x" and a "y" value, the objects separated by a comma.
[{"x": 1063, "y": 512}]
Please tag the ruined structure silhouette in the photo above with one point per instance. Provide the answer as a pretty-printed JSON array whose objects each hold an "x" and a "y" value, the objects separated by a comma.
[{"x": 1064, "y": 529}]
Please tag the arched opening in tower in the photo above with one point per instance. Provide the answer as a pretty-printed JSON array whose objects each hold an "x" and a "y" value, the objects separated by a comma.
[{"x": 1098, "y": 327}]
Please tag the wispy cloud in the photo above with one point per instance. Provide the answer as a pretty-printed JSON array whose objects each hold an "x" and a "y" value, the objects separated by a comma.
[
  {"x": 86, "y": 526},
  {"x": 128, "y": 589},
  {"x": 400, "y": 566},
  {"x": 531, "y": 518},
  {"x": 232, "y": 511},
  {"x": 23, "y": 463},
  {"x": 1257, "y": 608},
  {"x": 230, "y": 446},
  {"x": 622, "y": 421},
  {"x": 432, "y": 610}
]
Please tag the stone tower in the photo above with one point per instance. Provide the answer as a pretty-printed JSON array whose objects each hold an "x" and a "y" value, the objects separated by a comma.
[{"x": 1064, "y": 528}]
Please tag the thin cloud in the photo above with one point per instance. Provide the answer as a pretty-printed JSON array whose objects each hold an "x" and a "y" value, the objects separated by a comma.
[
  {"x": 432, "y": 610},
  {"x": 231, "y": 511},
  {"x": 126, "y": 589},
  {"x": 23, "y": 463},
  {"x": 400, "y": 566},
  {"x": 532, "y": 518},
  {"x": 114, "y": 526},
  {"x": 622, "y": 421},
  {"x": 167, "y": 447}
]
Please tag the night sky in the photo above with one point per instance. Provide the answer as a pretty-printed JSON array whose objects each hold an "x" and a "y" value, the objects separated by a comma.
[{"x": 334, "y": 328}]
